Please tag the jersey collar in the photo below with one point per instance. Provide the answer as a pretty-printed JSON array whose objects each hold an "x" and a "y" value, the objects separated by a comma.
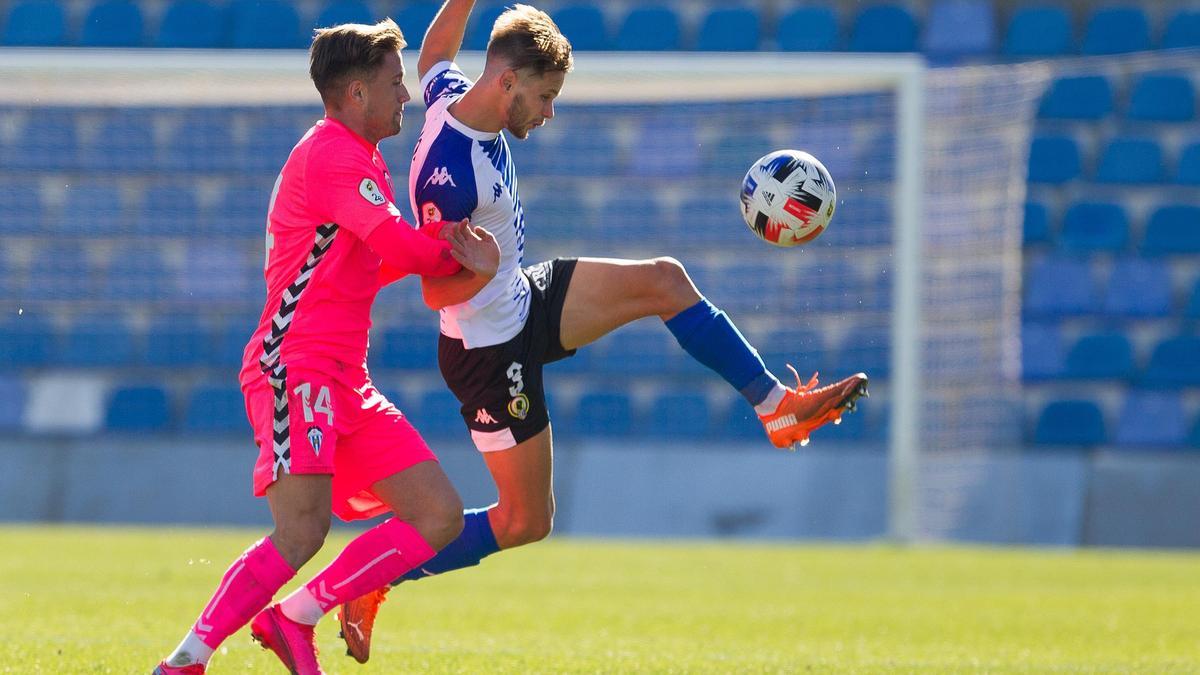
[{"x": 334, "y": 123}]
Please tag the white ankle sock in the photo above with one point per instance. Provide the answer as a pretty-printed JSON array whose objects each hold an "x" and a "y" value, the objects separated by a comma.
[
  {"x": 302, "y": 607},
  {"x": 772, "y": 401},
  {"x": 191, "y": 650}
]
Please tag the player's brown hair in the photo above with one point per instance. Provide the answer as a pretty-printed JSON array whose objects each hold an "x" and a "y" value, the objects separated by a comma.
[
  {"x": 351, "y": 50},
  {"x": 526, "y": 37}
]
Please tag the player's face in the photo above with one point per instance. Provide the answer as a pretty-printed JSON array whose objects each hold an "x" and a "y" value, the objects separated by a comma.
[
  {"x": 386, "y": 96},
  {"x": 532, "y": 103}
]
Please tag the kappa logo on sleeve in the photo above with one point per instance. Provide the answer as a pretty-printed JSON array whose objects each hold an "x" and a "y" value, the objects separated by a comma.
[{"x": 369, "y": 190}]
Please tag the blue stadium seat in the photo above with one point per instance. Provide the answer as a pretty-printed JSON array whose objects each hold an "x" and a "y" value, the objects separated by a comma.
[
  {"x": 48, "y": 142},
  {"x": 99, "y": 341},
  {"x": 1194, "y": 437},
  {"x": 884, "y": 28},
  {"x": 1116, "y": 30},
  {"x": 1173, "y": 229},
  {"x": 733, "y": 151},
  {"x": 179, "y": 341},
  {"x": 729, "y": 29},
  {"x": 243, "y": 211},
  {"x": 1188, "y": 170},
  {"x": 1193, "y": 307},
  {"x": 1038, "y": 31},
  {"x": 959, "y": 28},
  {"x": 124, "y": 143},
  {"x": 1138, "y": 287},
  {"x": 414, "y": 19},
  {"x": 666, "y": 145},
  {"x": 1070, "y": 422},
  {"x": 216, "y": 408},
  {"x": 46, "y": 281},
  {"x": 20, "y": 206},
  {"x": 26, "y": 341},
  {"x": 265, "y": 24},
  {"x": 1036, "y": 224},
  {"x": 1042, "y": 354},
  {"x": 1163, "y": 97},
  {"x": 138, "y": 272},
  {"x": 1053, "y": 159},
  {"x": 1183, "y": 30},
  {"x": 809, "y": 29},
  {"x": 1175, "y": 362},
  {"x": 1131, "y": 160},
  {"x": 1059, "y": 286},
  {"x": 12, "y": 403},
  {"x": 138, "y": 409},
  {"x": 1100, "y": 356},
  {"x": 438, "y": 414},
  {"x": 92, "y": 208},
  {"x": 202, "y": 142},
  {"x": 1151, "y": 418},
  {"x": 410, "y": 348},
  {"x": 675, "y": 415},
  {"x": 1094, "y": 226},
  {"x": 637, "y": 350},
  {"x": 36, "y": 23},
  {"x": 864, "y": 348},
  {"x": 193, "y": 24},
  {"x": 169, "y": 208},
  {"x": 589, "y": 144},
  {"x": 649, "y": 29},
  {"x": 603, "y": 413},
  {"x": 113, "y": 23},
  {"x": 270, "y": 138},
  {"x": 584, "y": 25},
  {"x": 479, "y": 30},
  {"x": 562, "y": 215},
  {"x": 220, "y": 269},
  {"x": 738, "y": 421},
  {"x": 346, "y": 11},
  {"x": 232, "y": 336},
  {"x": 804, "y": 348},
  {"x": 629, "y": 215},
  {"x": 1080, "y": 97},
  {"x": 710, "y": 219}
]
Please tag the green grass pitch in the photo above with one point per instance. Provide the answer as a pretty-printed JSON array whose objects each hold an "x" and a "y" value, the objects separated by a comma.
[{"x": 109, "y": 600}]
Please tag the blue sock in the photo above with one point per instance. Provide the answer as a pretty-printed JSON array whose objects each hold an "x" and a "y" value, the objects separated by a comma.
[
  {"x": 710, "y": 337},
  {"x": 475, "y": 543}
]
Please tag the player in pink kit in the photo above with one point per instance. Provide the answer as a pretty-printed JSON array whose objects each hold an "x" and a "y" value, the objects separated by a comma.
[{"x": 328, "y": 440}]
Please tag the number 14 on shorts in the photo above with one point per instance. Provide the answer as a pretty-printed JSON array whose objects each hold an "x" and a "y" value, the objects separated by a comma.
[{"x": 321, "y": 406}]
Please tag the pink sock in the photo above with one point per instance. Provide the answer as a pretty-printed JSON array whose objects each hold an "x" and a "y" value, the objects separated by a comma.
[
  {"x": 247, "y": 587},
  {"x": 372, "y": 560}
]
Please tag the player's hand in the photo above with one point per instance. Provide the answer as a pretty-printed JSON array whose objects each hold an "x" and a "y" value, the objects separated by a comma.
[
  {"x": 474, "y": 248},
  {"x": 437, "y": 229}
]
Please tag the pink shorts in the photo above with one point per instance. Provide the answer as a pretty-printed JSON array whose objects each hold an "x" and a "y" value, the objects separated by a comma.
[{"x": 318, "y": 423}]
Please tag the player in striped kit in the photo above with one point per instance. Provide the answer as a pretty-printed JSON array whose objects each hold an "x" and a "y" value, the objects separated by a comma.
[{"x": 328, "y": 440}]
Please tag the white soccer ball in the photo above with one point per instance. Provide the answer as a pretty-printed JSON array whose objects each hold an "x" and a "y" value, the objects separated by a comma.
[{"x": 788, "y": 198}]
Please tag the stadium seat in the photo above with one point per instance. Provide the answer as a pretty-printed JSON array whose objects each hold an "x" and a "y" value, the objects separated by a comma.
[
  {"x": 729, "y": 29},
  {"x": 1116, "y": 30},
  {"x": 1059, "y": 286},
  {"x": 244, "y": 208},
  {"x": 99, "y": 341},
  {"x": 193, "y": 24},
  {"x": 805, "y": 349},
  {"x": 959, "y": 28},
  {"x": 219, "y": 269},
  {"x": 1070, "y": 422},
  {"x": 1131, "y": 160},
  {"x": 809, "y": 29},
  {"x": 733, "y": 151},
  {"x": 216, "y": 408},
  {"x": 738, "y": 421},
  {"x": 45, "y": 280},
  {"x": 182, "y": 340},
  {"x": 864, "y": 348},
  {"x": 1175, "y": 362},
  {"x": 1036, "y": 224},
  {"x": 169, "y": 209},
  {"x": 124, "y": 143},
  {"x": 1042, "y": 354},
  {"x": 636, "y": 350},
  {"x": 414, "y": 19},
  {"x": 479, "y": 30},
  {"x": 561, "y": 215},
  {"x": 584, "y": 25},
  {"x": 1183, "y": 30},
  {"x": 1193, "y": 306},
  {"x": 113, "y": 23},
  {"x": 139, "y": 272},
  {"x": 649, "y": 29},
  {"x": 438, "y": 414},
  {"x": 1138, "y": 287},
  {"x": 666, "y": 146},
  {"x": 629, "y": 215},
  {"x": 1080, "y": 97},
  {"x": 1053, "y": 159},
  {"x": 20, "y": 205},
  {"x": 1100, "y": 356},
  {"x": 1038, "y": 31},
  {"x": 91, "y": 208},
  {"x": 271, "y": 136},
  {"x": 677, "y": 415},
  {"x": 409, "y": 348},
  {"x": 590, "y": 144},
  {"x": 26, "y": 341},
  {"x": 202, "y": 142},
  {"x": 346, "y": 11},
  {"x": 35, "y": 23},
  {"x": 1188, "y": 170},
  {"x": 1094, "y": 226},
  {"x": 12, "y": 403},
  {"x": 233, "y": 335},
  {"x": 601, "y": 414},
  {"x": 1194, "y": 437},
  {"x": 1151, "y": 418},
  {"x": 48, "y": 142},
  {"x": 265, "y": 24},
  {"x": 138, "y": 409},
  {"x": 884, "y": 28},
  {"x": 1163, "y": 97},
  {"x": 1173, "y": 229}
]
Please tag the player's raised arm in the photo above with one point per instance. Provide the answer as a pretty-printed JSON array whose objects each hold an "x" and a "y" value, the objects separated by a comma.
[{"x": 445, "y": 35}]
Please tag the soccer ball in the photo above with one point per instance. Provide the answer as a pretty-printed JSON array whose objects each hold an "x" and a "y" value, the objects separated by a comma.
[{"x": 788, "y": 198}]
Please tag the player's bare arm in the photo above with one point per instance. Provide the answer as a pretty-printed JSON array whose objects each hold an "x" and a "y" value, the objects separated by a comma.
[
  {"x": 476, "y": 250},
  {"x": 445, "y": 35}
]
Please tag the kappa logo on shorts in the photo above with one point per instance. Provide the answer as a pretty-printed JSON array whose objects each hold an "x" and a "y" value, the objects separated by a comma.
[
  {"x": 519, "y": 406},
  {"x": 482, "y": 416},
  {"x": 370, "y": 192},
  {"x": 315, "y": 437}
]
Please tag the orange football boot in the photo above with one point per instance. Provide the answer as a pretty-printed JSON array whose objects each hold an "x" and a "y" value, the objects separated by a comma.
[
  {"x": 805, "y": 409},
  {"x": 357, "y": 619}
]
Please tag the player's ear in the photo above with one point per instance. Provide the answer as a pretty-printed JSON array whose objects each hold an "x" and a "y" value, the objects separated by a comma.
[
  {"x": 508, "y": 79},
  {"x": 357, "y": 91}
]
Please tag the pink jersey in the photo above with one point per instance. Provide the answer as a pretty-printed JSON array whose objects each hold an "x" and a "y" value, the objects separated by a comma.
[{"x": 333, "y": 192}]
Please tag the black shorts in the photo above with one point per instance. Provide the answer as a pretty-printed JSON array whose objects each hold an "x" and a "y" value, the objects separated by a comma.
[{"x": 500, "y": 387}]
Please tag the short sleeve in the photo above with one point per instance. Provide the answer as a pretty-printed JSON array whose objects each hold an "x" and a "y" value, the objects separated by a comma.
[
  {"x": 343, "y": 189},
  {"x": 443, "y": 80}
]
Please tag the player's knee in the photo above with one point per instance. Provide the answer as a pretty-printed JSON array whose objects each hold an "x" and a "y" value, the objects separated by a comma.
[
  {"x": 442, "y": 521},
  {"x": 674, "y": 286},
  {"x": 299, "y": 541},
  {"x": 530, "y": 528}
]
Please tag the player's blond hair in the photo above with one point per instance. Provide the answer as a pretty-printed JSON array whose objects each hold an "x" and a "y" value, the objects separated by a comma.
[
  {"x": 351, "y": 50},
  {"x": 526, "y": 37}
]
